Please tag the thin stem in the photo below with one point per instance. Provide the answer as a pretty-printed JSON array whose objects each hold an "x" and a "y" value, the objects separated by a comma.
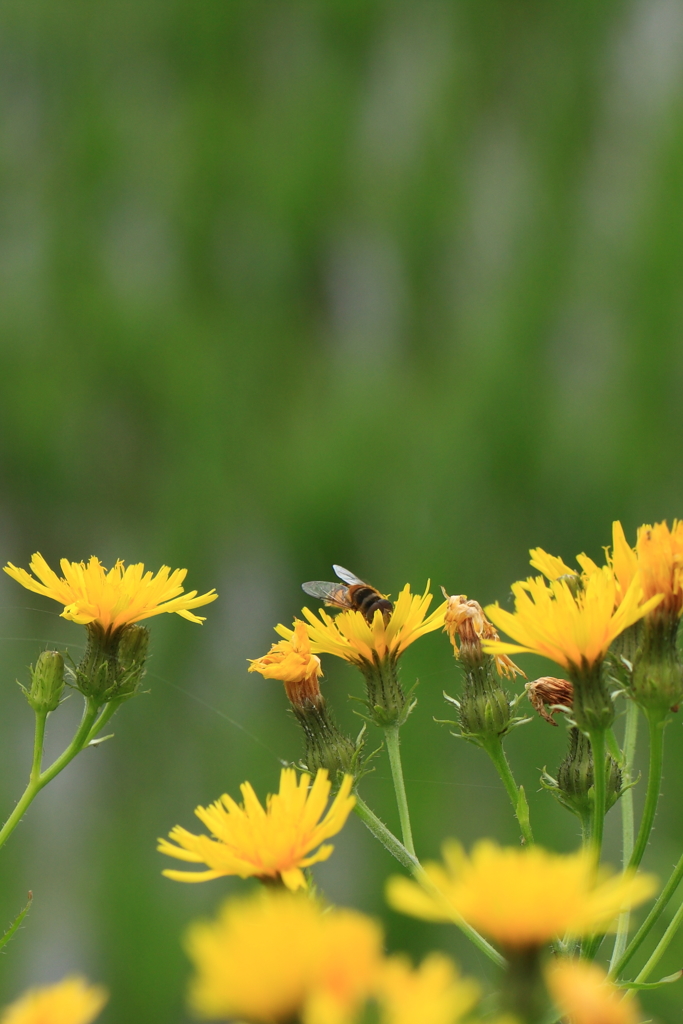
[
  {"x": 38, "y": 780},
  {"x": 627, "y": 820},
  {"x": 651, "y": 919},
  {"x": 109, "y": 711},
  {"x": 591, "y": 944},
  {"x": 662, "y": 945},
  {"x": 656, "y": 723},
  {"x": 494, "y": 748},
  {"x": 394, "y": 751},
  {"x": 388, "y": 840},
  {"x": 396, "y": 848},
  {"x": 38, "y": 741},
  {"x": 78, "y": 742},
  {"x": 597, "y": 739}
]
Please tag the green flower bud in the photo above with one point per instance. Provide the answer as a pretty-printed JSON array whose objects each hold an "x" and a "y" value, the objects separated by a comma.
[
  {"x": 485, "y": 709},
  {"x": 386, "y": 701},
  {"x": 325, "y": 745},
  {"x": 574, "y": 787},
  {"x": 593, "y": 707},
  {"x": 114, "y": 662},
  {"x": 47, "y": 682},
  {"x": 132, "y": 655},
  {"x": 657, "y": 679}
]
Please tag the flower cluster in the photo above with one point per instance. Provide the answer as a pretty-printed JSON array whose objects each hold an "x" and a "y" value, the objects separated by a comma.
[
  {"x": 276, "y": 956},
  {"x": 280, "y": 953}
]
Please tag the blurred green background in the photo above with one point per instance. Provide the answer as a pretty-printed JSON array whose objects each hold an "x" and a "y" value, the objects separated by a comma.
[{"x": 392, "y": 284}]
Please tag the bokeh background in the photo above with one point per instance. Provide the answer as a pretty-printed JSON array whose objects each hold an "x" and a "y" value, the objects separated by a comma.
[{"x": 392, "y": 284}]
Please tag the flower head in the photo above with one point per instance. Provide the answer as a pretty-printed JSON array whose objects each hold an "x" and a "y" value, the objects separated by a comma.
[
  {"x": 520, "y": 897},
  {"x": 349, "y": 636},
  {"x": 466, "y": 620},
  {"x": 71, "y": 1001},
  {"x": 573, "y": 630},
  {"x": 114, "y": 598},
  {"x": 659, "y": 554},
  {"x": 292, "y": 661},
  {"x": 552, "y": 693},
  {"x": 584, "y": 995},
  {"x": 274, "y": 955},
  {"x": 433, "y": 993},
  {"x": 272, "y": 843}
]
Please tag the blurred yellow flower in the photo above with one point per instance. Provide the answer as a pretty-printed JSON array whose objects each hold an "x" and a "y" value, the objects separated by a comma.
[
  {"x": 276, "y": 955},
  {"x": 113, "y": 598},
  {"x": 573, "y": 630},
  {"x": 72, "y": 1001},
  {"x": 272, "y": 843},
  {"x": 292, "y": 662},
  {"x": 520, "y": 897},
  {"x": 349, "y": 636},
  {"x": 433, "y": 993},
  {"x": 583, "y": 994}
]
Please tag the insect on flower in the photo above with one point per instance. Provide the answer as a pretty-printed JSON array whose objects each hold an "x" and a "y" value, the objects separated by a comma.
[{"x": 358, "y": 596}]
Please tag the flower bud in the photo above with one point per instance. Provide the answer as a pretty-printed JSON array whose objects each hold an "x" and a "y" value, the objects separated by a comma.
[
  {"x": 387, "y": 703},
  {"x": 132, "y": 655},
  {"x": 592, "y": 707},
  {"x": 325, "y": 745},
  {"x": 47, "y": 682},
  {"x": 485, "y": 710},
  {"x": 657, "y": 678},
  {"x": 113, "y": 663},
  {"x": 573, "y": 787}
]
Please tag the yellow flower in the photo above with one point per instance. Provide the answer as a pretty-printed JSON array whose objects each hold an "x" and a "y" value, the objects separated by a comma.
[
  {"x": 113, "y": 598},
  {"x": 582, "y": 992},
  {"x": 551, "y": 566},
  {"x": 573, "y": 630},
  {"x": 466, "y": 620},
  {"x": 659, "y": 552},
  {"x": 520, "y": 897},
  {"x": 623, "y": 561},
  {"x": 349, "y": 636},
  {"x": 71, "y": 1001},
  {"x": 272, "y": 843},
  {"x": 276, "y": 955},
  {"x": 432, "y": 993},
  {"x": 292, "y": 662}
]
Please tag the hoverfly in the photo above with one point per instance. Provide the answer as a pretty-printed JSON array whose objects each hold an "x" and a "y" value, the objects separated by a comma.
[{"x": 353, "y": 593}]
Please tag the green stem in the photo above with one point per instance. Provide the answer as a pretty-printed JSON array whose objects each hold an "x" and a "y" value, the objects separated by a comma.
[
  {"x": 662, "y": 945},
  {"x": 656, "y": 724},
  {"x": 38, "y": 780},
  {"x": 494, "y": 748},
  {"x": 597, "y": 738},
  {"x": 613, "y": 746},
  {"x": 396, "y": 848},
  {"x": 391, "y": 733},
  {"x": 627, "y": 820},
  {"x": 109, "y": 711},
  {"x": 388, "y": 840},
  {"x": 38, "y": 741},
  {"x": 649, "y": 922}
]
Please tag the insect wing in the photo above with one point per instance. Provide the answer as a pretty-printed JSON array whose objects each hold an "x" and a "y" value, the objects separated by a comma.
[
  {"x": 332, "y": 593},
  {"x": 348, "y": 577}
]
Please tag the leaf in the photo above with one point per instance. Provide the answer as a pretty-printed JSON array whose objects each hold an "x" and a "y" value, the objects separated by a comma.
[
  {"x": 639, "y": 985},
  {"x": 16, "y": 922}
]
